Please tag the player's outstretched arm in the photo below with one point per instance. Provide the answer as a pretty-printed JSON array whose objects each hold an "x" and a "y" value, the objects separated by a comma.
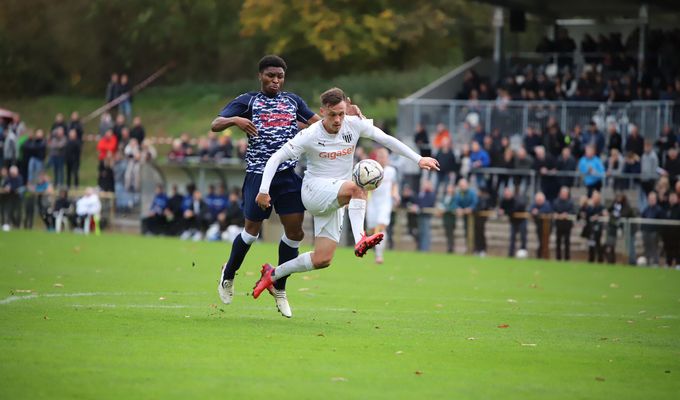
[
  {"x": 402, "y": 149},
  {"x": 263, "y": 199}
]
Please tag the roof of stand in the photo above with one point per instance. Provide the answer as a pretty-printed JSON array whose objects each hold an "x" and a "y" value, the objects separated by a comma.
[{"x": 587, "y": 8}]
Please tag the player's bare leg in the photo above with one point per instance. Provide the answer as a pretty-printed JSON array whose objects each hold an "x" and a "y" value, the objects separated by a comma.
[
  {"x": 355, "y": 198},
  {"x": 239, "y": 249},
  {"x": 380, "y": 247}
]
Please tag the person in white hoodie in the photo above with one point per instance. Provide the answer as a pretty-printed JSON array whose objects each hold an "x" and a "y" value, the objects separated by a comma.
[{"x": 88, "y": 207}]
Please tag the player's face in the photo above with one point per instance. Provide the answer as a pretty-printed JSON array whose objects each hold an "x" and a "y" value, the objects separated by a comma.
[
  {"x": 272, "y": 79},
  {"x": 333, "y": 117}
]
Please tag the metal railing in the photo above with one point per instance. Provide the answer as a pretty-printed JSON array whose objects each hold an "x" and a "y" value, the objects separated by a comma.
[{"x": 514, "y": 117}]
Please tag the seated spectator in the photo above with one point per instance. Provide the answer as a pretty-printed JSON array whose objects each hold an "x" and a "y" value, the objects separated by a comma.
[
  {"x": 88, "y": 211},
  {"x": 196, "y": 217},
  {"x": 592, "y": 169},
  {"x": 217, "y": 201},
  {"x": 442, "y": 133},
  {"x": 155, "y": 222},
  {"x": 12, "y": 190},
  {"x": 61, "y": 214},
  {"x": 177, "y": 153},
  {"x": 187, "y": 147},
  {"x": 225, "y": 148},
  {"x": 229, "y": 222}
]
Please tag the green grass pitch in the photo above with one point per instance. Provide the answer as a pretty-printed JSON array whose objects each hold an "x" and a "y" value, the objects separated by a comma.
[{"x": 125, "y": 317}]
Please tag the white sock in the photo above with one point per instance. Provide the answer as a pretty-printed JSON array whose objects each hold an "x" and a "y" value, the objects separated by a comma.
[
  {"x": 294, "y": 244},
  {"x": 301, "y": 263},
  {"x": 248, "y": 238},
  {"x": 357, "y": 213},
  {"x": 380, "y": 247}
]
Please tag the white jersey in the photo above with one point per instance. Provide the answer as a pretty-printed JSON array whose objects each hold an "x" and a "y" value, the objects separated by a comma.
[{"x": 329, "y": 155}]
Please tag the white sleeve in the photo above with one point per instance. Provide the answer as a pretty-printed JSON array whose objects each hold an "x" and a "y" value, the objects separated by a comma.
[
  {"x": 391, "y": 143},
  {"x": 291, "y": 150}
]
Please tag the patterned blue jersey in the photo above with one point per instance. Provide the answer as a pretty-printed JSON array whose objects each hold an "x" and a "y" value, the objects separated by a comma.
[{"x": 276, "y": 121}]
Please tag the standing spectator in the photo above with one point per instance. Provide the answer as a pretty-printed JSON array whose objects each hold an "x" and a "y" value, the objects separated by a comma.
[
  {"x": 449, "y": 219},
  {"x": 671, "y": 166},
  {"x": 592, "y": 213},
  {"x": 592, "y": 169},
  {"x": 479, "y": 158},
  {"x": 38, "y": 151},
  {"x": 10, "y": 153},
  {"x": 575, "y": 142},
  {"x": 631, "y": 166},
  {"x": 447, "y": 166},
  {"x": 137, "y": 132},
  {"x": 36, "y": 196},
  {"x": 666, "y": 141},
  {"x": 563, "y": 207},
  {"x": 106, "y": 179},
  {"x": 615, "y": 165},
  {"x": 532, "y": 139},
  {"x": 113, "y": 88},
  {"x": 12, "y": 189},
  {"x": 619, "y": 209},
  {"x": 635, "y": 142},
  {"x": 441, "y": 135},
  {"x": 422, "y": 141},
  {"x": 566, "y": 163},
  {"x": 649, "y": 165},
  {"x": 58, "y": 123},
  {"x": 17, "y": 125},
  {"x": 76, "y": 125},
  {"x": 133, "y": 155},
  {"x": 554, "y": 140},
  {"x": 464, "y": 204},
  {"x": 105, "y": 123},
  {"x": 595, "y": 137},
  {"x": 545, "y": 166},
  {"x": 523, "y": 162},
  {"x": 426, "y": 201},
  {"x": 614, "y": 140},
  {"x": 485, "y": 204},
  {"x": 177, "y": 151},
  {"x": 540, "y": 211},
  {"x": 671, "y": 241},
  {"x": 26, "y": 151},
  {"x": 118, "y": 126},
  {"x": 56, "y": 147},
  {"x": 126, "y": 89},
  {"x": 508, "y": 163},
  {"x": 106, "y": 145},
  {"x": 650, "y": 237},
  {"x": 514, "y": 206},
  {"x": 72, "y": 153}
]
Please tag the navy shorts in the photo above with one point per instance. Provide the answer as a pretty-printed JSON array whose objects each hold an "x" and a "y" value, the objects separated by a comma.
[{"x": 284, "y": 191}]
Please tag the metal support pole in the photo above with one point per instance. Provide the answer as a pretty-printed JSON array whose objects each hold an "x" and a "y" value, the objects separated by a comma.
[
  {"x": 497, "y": 24},
  {"x": 641, "y": 45}
]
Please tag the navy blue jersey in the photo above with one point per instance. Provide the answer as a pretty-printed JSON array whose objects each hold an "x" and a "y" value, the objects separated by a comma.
[{"x": 276, "y": 121}]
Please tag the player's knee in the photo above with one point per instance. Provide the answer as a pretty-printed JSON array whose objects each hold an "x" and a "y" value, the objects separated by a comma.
[
  {"x": 295, "y": 234},
  {"x": 357, "y": 192},
  {"x": 321, "y": 261}
]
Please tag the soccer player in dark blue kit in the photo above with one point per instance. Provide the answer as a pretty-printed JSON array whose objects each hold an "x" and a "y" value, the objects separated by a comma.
[{"x": 269, "y": 118}]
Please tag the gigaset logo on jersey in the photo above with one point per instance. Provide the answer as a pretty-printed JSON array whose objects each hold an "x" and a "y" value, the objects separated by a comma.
[{"x": 332, "y": 155}]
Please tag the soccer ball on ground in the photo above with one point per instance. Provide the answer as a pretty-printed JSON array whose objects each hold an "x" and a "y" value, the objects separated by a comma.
[{"x": 368, "y": 174}]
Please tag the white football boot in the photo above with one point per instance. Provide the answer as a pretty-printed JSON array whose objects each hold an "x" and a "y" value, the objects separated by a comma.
[
  {"x": 225, "y": 288},
  {"x": 282, "y": 302}
]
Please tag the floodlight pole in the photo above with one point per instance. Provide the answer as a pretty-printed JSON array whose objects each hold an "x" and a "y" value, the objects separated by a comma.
[
  {"x": 643, "y": 21},
  {"x": 497, "y": 23}
]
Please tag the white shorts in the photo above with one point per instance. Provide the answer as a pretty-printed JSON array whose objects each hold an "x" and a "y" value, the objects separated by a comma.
[
  {"x": 378, "y": 213},
  {"x": 320, "y": 197}
]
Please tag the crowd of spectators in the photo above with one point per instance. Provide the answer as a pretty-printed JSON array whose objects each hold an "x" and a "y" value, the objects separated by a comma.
[
  {"x": 556, "y": 161},
  {"x": 213, "y": 147},
  {"x": 215, "y": 216},
  {"x": 608, "y": 73}
]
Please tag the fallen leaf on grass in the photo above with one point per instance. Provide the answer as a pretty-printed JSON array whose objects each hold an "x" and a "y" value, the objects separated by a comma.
[
  {"x": 250, "y": 273},
  {"x": 472, "y": 338},
  {"x": 630, "y": 321},
  {"x": 23, "y": 291},
  {"x": 306, "y": 278},
  {"x": 439, "y": 305},
  {"x": 512, "y": 301},
  {"x": 637, "y": 296},
  {"x": 614, "y": 285},
  {"x": 161, "y": 298},
  {"x": 503, "y": 326},
  {"x": 321, "y": 334},
  {"x": 377, "y": 327},
  {"x": 76, "y": 249},
  {"x": 187, "y": 316},
  {"x": 59, "y": 285},
  {"x": 338, "y": 379},
  {"x": 642, "y": 312},
  {"x": 399, "y": 352},
  {"x": 528, "y": 344},
  {"x": 599, "y": 379},
  {"x": 419, "y": 372},
  {"x": 46, "y": 317}
]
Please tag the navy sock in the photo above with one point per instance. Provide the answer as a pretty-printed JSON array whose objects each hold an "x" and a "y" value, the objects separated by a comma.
[
  {"x": 239, "y": 249},
  {"x": 286, "y": 253}
]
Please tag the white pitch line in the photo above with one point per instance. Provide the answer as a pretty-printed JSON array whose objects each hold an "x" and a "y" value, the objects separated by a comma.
[{"x": 13, "y": 298}]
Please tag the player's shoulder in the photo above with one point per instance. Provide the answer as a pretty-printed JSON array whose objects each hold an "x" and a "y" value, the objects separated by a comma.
[
  {"x": 293, "y": 97},
  {"x": 245, "y": 98},
  {"x": 358, "y": 123}
]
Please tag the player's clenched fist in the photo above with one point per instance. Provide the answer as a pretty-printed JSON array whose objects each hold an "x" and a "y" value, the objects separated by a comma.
[
  {"x": 428, "y": 163},
  {"x": 263, "y": 200}
]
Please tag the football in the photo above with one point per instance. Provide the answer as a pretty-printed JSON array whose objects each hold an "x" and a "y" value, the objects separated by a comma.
[{"x": 367, "y": 174}]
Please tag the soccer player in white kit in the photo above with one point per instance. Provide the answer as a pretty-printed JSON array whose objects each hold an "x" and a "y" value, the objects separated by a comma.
[
  {"x": 381, "y": 202},
  {"x": 327, "y": 186}
]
